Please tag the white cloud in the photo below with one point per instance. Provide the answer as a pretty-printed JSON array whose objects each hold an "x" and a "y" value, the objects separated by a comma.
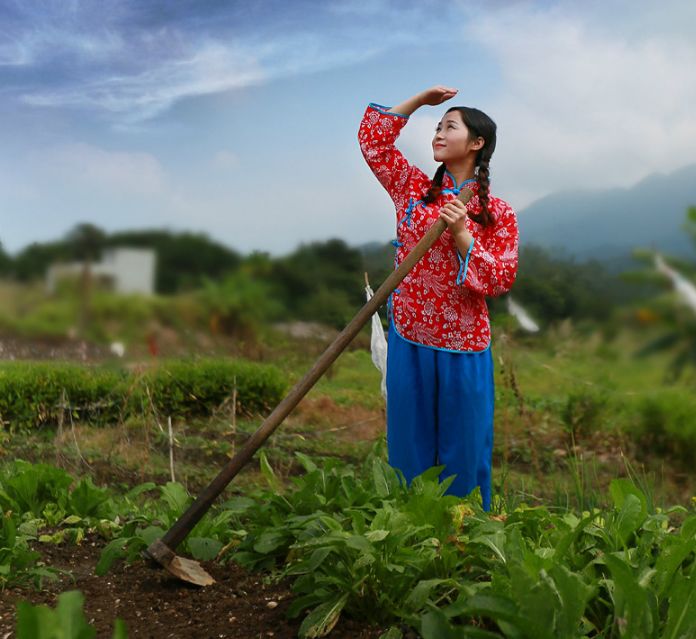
[
  {"x": 581, "y": 106},
  {"x": 210, "y": 68},
  {"x": 97, "y": 169}
]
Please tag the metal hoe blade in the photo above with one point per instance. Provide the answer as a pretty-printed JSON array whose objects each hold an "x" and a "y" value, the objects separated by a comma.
[{"x": 185, "y": 569}]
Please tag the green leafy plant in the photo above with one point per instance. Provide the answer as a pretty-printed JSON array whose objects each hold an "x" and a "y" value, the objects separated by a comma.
[
  {"x": 358, "y": 542},
  {"x": 66, "y": 621},
  {"x": 18, "y": 562}
]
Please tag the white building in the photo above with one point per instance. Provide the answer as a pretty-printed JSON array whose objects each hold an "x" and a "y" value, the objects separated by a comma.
[{"x": 127, "y": 270}]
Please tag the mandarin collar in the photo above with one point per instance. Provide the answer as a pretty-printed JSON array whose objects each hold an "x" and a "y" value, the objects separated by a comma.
[{"x": 449, "y": 183}]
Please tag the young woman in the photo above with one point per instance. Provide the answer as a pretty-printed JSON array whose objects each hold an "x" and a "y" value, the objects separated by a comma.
[{"x": 440, "y": 395}]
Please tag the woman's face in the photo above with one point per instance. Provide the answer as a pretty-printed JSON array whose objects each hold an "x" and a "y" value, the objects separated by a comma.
[{"x": 451, "y": 141}]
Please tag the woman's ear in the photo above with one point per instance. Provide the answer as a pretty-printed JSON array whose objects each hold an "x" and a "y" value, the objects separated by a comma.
[{"x": 479, "y": 143}]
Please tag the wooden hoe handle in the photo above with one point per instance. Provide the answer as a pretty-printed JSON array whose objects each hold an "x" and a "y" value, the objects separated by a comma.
[{"x": 162, "y": 550}]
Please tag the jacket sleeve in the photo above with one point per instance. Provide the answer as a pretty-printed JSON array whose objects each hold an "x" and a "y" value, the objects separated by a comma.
[
  {"x": 378, "y": 132},
  {"x": 490, "y": 265}
]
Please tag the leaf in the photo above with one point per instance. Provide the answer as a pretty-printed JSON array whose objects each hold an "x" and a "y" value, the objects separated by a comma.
[
  {"x": 71, "y": 619},
  {"x": 629, "y": 518},
  {"x": 421, "y": 593},
  {"x": 496, "y": 607},
  {"x": 360, "y": 543},
  {"x": 317, "y": 557},
  {"x": 139, "y": 489},
  {"x": 267, "y": 472},
  {"x": 120, "y": 630},
  {"x": 432, "y": 474},
  {"x": 321, "y": 621},
  {"x": 204, "y": 548},
  {"x": 682, "y": 609},
  {"x": 435, "y": 625},
  {"x": 239, "y": 505},
  {"x": 86, "y": 499},
  {"x": 392, "y": 633},
  {"x": 306, "y": 462},
  {"x": 379, "y": 478},
  {"x": 376, "y": 535},
  {"x": 113, "y": 551},
  {"x": 150, "y": 534},
  {"x": 688, "y": 528},
  {"x": 537, "y": 603},
  {"x": 575, "y": 595},
  {"x": 269, "y": 541},
  {"x": 33, "y": 621},
  {"x": 495, "y": 542},
  {"x": 621, "y": 489},
  {"x": 176, "y": 497},
  {"x": 67, "y": 621},
  {"x": 672, "y": 555},
  {"x": 9, "y": 532},
  {"x": 633, "y": 604}
]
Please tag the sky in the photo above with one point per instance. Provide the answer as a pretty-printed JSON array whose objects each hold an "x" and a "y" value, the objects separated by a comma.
[{"x": 239, "y": 119}]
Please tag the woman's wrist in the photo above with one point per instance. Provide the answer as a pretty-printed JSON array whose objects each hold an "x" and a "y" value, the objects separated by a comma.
[{"x": 463, "y": 240}]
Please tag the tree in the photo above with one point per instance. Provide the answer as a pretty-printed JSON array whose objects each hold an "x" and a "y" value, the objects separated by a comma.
[
  {"x": 553, "y": 288},
  {"x": 323, "y": 270},
  {"x": 678, "y": 323},
  {"x": 5, "y": 262}
]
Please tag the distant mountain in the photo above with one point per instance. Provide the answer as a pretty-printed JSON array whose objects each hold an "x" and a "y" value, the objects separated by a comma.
[{"x": 608, "y": 224}]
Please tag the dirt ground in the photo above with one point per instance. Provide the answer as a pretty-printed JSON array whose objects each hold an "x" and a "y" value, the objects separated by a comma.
[{"x": 156, "y": 605}]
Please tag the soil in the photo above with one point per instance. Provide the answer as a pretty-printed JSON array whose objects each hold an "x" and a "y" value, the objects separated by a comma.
[{"x": 156, "y": 605}]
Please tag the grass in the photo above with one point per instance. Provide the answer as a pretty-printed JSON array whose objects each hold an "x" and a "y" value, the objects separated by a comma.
[{"x": 556, "y": 438}]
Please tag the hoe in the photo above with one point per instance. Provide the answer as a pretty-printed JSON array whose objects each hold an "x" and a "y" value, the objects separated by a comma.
[{"x": 163, "y": 550}]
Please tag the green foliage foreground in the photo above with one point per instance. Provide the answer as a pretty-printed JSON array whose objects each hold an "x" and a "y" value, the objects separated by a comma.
[
  {"x": 356, "y": 541},
  {"x": 363, "y": 544},
  {"x": 66, "y": 621}
]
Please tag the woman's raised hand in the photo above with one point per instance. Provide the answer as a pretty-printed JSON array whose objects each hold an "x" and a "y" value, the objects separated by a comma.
[
  {"x": 437, "y": 95},
  {"x": 432, "y": 97}
]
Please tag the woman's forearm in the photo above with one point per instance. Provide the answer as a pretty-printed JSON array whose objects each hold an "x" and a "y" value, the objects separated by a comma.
[{"x": 407, "y": 107}]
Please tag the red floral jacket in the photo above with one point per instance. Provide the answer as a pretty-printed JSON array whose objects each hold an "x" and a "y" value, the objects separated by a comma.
[{"x": 441, "y": 302}]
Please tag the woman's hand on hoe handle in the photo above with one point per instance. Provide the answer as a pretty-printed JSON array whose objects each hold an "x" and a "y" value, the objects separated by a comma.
[
  {"x": 431, "y": 97},
  {"x": 454, "y": 214}
]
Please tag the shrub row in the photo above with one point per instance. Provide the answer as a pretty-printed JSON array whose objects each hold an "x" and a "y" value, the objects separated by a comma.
[
  {"x": 659, "y": 423},
  {"x": 36, "y": 394}
]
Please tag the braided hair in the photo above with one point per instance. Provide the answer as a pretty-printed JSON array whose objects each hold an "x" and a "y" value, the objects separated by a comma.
[{"x": 478, "y": 125}]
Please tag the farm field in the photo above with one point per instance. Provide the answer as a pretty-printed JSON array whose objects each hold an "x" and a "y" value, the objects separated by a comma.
[{"x": 575, "y": 453}]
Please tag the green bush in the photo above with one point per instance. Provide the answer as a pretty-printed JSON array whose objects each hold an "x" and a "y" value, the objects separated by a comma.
[
  {"x": 665, "y": 425},
  {"x": 583, "y": 411},
  {"x": 32, "y": 394},
  {"x": 35, "y": 394}
]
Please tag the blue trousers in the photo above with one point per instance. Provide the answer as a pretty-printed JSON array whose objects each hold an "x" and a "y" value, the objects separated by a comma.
[{"x": 440, "y": 411}]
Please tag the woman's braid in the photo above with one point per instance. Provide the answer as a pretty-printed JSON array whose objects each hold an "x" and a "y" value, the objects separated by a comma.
[
  {"x": 435, "y": 186},
  {"x": 483, "y": 178}
]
